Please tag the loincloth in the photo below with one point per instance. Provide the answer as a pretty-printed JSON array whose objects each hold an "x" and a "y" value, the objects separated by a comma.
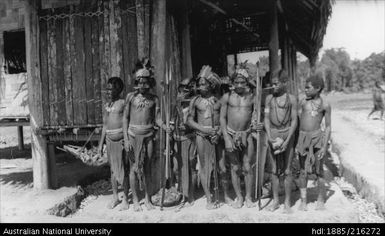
[
  {"x": 207, "y": 153},
  {"x": 187, "y": 153},
  {"x": 114, "y": 131},
  {"x": 309, "y": 143},
  {"x": 139, "y": 135},
  {"x": 280, "y": 161},
  {"x": 182, "y": 136},
  {"x": 207, "y": 136},
  {"x": 115, "y": 153},
  {"x": 239, "y": 137}
]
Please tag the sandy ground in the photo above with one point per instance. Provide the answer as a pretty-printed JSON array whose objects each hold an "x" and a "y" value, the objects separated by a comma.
[
  {"x": 20, "y": 203},
  {"x": 361, "y": 144}
]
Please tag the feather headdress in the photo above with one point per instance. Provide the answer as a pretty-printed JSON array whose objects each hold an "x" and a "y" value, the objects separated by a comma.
[
  {"x": 143, "y": 68},
  {"x": 241, "y": 69},
  {"x": 207, "y": 73}
]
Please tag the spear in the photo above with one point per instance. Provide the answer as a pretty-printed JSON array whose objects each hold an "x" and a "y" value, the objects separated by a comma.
[
  {"x": 166, "y": 106},
  {"x": 257, "y": 104}
]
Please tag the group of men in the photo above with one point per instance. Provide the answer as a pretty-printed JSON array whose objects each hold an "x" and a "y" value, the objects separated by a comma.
[{"x": 213, "y": 135}]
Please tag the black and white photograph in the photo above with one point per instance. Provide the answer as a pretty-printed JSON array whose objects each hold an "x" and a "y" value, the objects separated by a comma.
[{"x": 192, "y": 111}]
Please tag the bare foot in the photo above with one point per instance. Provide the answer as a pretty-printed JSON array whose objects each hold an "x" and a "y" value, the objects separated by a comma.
[
  {"x": 320, "y": 206},
  {"x": 302, "y": 206},
  {"x": 273, "y": 206},
  {"x": 287, "y": 209},
  {"x": 228, "y": 201},
  {"x": 211, "y": 206},
  {"x": 137, "y": 207},
  {"x": 125, "y": 206},
  {"x": 238, "y": 203},
  {"x": 184, "y": 204},
  {"x": 249, "y": 203},
  {"x": 149, "y": 205},
  {"x": 113, "y": 204},
  {"x": 191, "y": 203}
]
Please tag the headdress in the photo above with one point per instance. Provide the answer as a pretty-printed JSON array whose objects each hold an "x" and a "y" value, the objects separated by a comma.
[
  {"x": 210, "y": 76},
  {"x": 143, "y": 68},
  {"x": 241, "y": 69}
]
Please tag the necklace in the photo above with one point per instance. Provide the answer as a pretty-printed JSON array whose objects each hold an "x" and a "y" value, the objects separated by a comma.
[
  {"x": 287, "y": 108},
  {"x": 110, "y": 107},
  {"x": 209, "y": 103},
  {"x": 284, "y": 105},
  {"x": 314, "y": 108},
  {"x": 142, "y": 101}
]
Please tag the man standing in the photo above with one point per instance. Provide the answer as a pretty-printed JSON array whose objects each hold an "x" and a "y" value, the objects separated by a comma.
[
  {"x": 140, "y": 114},
  {"x": 280, "y": 124},
  {"x": 312, "y": 141},
  {"x": 204, "y": 119},
  {"x": 236, "y": 116}
]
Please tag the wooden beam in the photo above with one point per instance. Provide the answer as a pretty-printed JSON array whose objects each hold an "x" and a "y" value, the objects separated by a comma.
[
  {"x": 220, "y": 10},
  {"x": 52, "y": 166},
  {"x": 274, "y": 39},
  {"x": 186, "y": 44},
  {"x": 20, "y": 137},
  {"x": 38, "y": 142},
  {"x": 140, "y": 21},
  {"x": 14, "y": 123},
  {"x": 158, "y": 50}
]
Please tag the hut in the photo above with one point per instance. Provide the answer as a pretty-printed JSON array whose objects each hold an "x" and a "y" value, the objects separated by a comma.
[
  {"x": 13, "y": 77},
  {"x": 74, "y": 46}
]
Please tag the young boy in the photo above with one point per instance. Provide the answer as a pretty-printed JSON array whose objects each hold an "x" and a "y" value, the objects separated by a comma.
[
  {"x": 113, "y": 134},
  {"x": 235, "y": 118},
  {"x": 204, "y": 119},
  {"x": 280, "y": 124},
  {"x": 140, "y": 114},
  {"x": 312, "y": 142},
  {"x": 377, "y": 100}
]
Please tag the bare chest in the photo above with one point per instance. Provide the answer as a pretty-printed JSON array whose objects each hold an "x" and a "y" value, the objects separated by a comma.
[
  {"x": 142, "y": 104},
  {"x": 204, "y": 105},
  {"x": 313, "y": 109},
  {"x": 238, "y": 102}
]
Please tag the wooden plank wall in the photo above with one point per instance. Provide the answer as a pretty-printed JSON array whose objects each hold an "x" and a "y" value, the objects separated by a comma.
[{"x": 78, "y": 53}]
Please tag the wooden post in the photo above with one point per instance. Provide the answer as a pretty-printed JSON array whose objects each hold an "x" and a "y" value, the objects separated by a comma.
[
  {"x": 20, "y": 137},
  {"x": 186, "y": 44},
  {"x": 52, "y": 166},
  {"x": 38, "y": 142},
  {"x": 294, "y": 70},
  {"x": 274, "y": 39},
  {"x": 158, "y": 50}
]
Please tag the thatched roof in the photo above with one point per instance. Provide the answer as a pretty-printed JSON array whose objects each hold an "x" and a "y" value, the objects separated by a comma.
[{"x": 305, "y": 22}]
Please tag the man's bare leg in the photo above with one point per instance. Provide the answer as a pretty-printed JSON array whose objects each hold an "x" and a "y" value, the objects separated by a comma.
[
  {"x": 115, "y": 199},
  {"x": 248, "y": 173},
  {"x": 206, "y": 188},
  {"x": 134, "y": 189},
  {"x": 236, "y": 180},
  {"x": 288, "y": 184},
  {"x": 303, "y": 188},
  {"x": 147, "y": 177},
  {"x": 125, "y": 204},
  {"x": 194, "y": 180},
  {"x": 275, "y": 187},
  {"x": 288, "y": 177},
  {"x": 224, "y": 179},
  {"x": 371, "y": 113},
  {"x": 382, "y": 115},
  {"x": 321, "y": 194}
]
